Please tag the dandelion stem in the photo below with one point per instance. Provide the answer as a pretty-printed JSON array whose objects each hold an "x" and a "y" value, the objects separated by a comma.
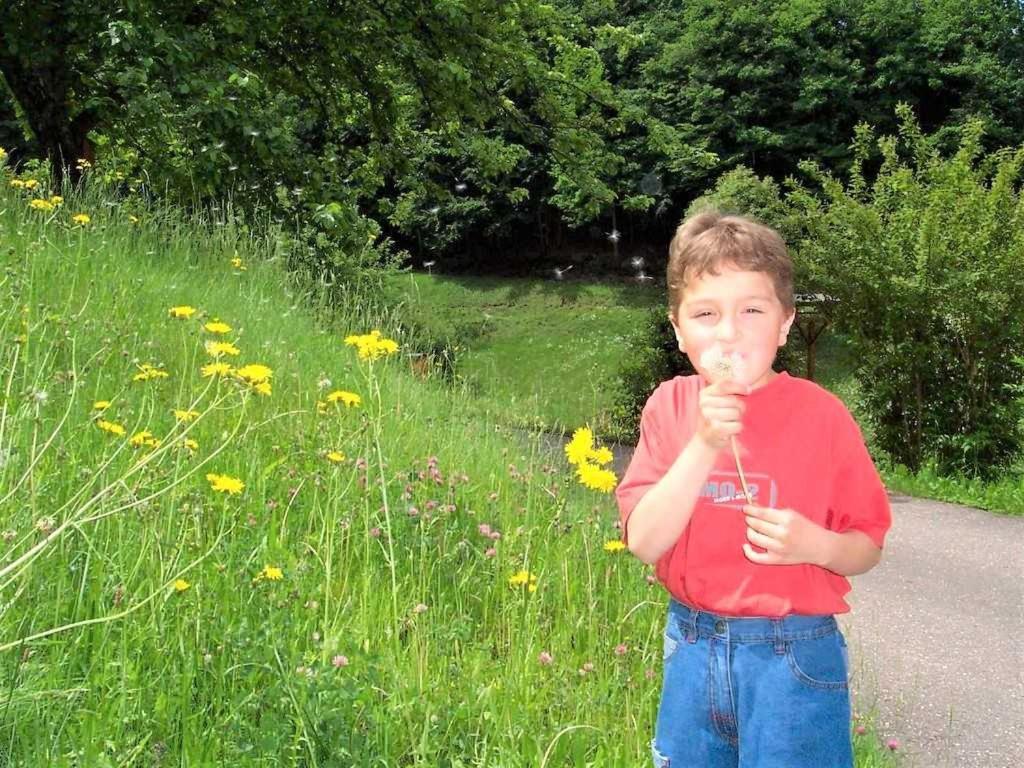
[{"x": 739, "y": 469}]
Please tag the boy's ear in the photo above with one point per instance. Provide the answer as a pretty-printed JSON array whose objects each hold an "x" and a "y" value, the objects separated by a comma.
[
  {"x": 675, "y": 328},
  {"x": 786, "y": 325}
]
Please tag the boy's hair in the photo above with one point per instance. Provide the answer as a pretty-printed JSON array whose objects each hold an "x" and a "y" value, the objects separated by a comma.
[{"x": 709, "y": 239}]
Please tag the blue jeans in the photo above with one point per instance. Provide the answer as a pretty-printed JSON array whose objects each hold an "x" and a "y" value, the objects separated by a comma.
[{"x": 752, "y": 693}]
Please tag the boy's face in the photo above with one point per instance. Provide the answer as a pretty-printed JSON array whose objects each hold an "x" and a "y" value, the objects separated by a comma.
[{"x": 736, "y": 313}]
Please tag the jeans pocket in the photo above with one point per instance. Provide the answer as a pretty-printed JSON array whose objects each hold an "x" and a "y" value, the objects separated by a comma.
[
  {"x": 820, "y": 662},
  {"x": 671, "y": 639},
  {"x": 659, "y": 760}
]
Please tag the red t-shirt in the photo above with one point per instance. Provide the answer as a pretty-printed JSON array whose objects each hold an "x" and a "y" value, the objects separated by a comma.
[{"x": 800, "y": 449}]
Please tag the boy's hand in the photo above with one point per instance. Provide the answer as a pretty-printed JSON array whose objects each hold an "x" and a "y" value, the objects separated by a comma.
[
  {"x": 789, "y": 537},
  {"x": 720, "y": 412}
]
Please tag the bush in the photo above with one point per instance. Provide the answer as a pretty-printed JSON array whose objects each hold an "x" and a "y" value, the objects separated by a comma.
[{"x": 925, "y": 262}]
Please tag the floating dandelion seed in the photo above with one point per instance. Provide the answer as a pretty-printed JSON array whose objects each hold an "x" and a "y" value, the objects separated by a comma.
[
  {"x": 641, "y": 276},
  {"x": 559, "y": 272},
  {"x": 460, "y": 187},
  {"x": 252, "y": 132},
  {"x": 614, "y": 235},
  {"x": 637, "y": 262},
  {"x": 435, "y": 210},
  {"x": 428, "y": 265}
]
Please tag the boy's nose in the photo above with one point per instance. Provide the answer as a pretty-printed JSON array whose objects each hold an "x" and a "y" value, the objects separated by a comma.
[{"x": 725, "y": 330}]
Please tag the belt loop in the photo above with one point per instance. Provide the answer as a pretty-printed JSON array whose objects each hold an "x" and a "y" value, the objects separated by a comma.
[
  {"x": 780, "y": 644},
  {"x": 691, "y": 633}
]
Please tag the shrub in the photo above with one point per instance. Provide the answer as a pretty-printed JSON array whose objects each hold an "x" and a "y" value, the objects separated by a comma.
[{"x": 925, "y": 262}]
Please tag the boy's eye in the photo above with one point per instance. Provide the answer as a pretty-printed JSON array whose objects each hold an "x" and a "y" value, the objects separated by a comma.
[{"x": 753, "y": 309}]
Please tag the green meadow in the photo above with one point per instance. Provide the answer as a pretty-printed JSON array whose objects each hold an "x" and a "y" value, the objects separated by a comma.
[{"x": 199, "y": 569}]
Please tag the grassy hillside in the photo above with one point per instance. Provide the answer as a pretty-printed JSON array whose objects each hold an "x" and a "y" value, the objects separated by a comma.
[{"x": 275, "y": 578}]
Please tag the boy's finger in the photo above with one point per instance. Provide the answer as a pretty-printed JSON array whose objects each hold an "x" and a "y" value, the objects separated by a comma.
[
  {"x": 762, "y": 526},
  {"x": 764, "y": 558},
  {"x": 730, "y": 387},
  {"x": 763, "y": 513}
]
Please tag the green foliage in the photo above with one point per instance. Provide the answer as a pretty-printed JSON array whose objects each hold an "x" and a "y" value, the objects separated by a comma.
[{"x": 925, "y": 260}]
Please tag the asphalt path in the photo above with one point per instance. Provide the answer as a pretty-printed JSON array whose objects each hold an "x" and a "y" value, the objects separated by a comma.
[{"x": 936, "y": 634}]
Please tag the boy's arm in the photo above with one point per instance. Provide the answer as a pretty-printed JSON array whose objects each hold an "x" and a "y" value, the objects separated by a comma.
[
  {"x": 663, "y": 513},
  {"x": 850, "y": 553}
]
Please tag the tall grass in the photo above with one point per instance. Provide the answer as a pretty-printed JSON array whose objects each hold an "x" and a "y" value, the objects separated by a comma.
[{"x": 141, "y": 623}]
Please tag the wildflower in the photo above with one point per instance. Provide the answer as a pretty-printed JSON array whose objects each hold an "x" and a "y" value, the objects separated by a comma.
[
  {"x": 601, "y": 455},
  {"x": 371, "y": 345},
  {"x": 216, "y": 369},
  {"x": 587, "y": 667},
  {"x": 148, "y": 372},
  {"x": 237, "y": 264},
  {"x": 254, "y": 373},
  {"x": 225, "y": 483},
  {"x": 490, "y": 552},
  {"x": 180, "y": 585},
  {"x": 83, "y": 164},
  {"x": 45, "y": 524},
  {"x": 81, "y": 219},
  {"x": 38, "y": 204},
  {"x": 271, "y": 573},
  {"x": 545, "y": 658},
  {"x": 101, "y": 405},
  {"x": 420, "y": 608},
  {"x": 191, "y": 444},
  {"x": 893, "y": 744},
  {"x": 263, "y": 388},
  {"x": 595, "y": 478},
  {"x": 183, "y": 312},
  {"x": 860, "y": 730},
  {"x": 218, "y": 348},
  {"x": 335, "y": 456},
  {"x": 348, "y": 398},
  {"x": 523, "y": 578},
  {"x": 375, "y": 532},
  {"x": 31, "y": 183},
  {"x": 216, "y": 326},
  {"x": 621, "y": 649},
  {"x": 3, "y": 154},
  {"x": 339, "y": 661},
  {"x": 140, "y": 438},
  {"x": 614, "y": 546},
  {"x": 56, "y": 200},
  {"x": 185, "y": 416},
  {"x": 110, "y": 426},
  {"x": 578, "y": 449},
  {"x": 17, "y": 184},
  {"x": 133, "y": 219}
]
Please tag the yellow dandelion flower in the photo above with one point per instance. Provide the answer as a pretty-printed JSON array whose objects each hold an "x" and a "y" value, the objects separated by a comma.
[
  {"x": 56, "y": 199},
  {"x": 595, "y": 478},
  {"x": 180, "y": 585},
  {"x": 111, "y": 426},
  {"x": 140, "y": 438},
  {"x": 237, "y": 264},
  {"x": 601, "y": 455},
  {"x": 335, "y": 456},
  {"x": 38, "y": 204},
  {"x": 614, "y": 546},
  {"x": 185, "y": 416},
  {"x": 272, "y": 573},
  {"x": 371, "y": 345},
  {"x": 148, "y": 371},
  {"x": 216, "y": 369},
  {"x": 216, "y": 326},
  {"x": 263, "y": 388},
  {"x": 133, "y": 219},
  {"x": 17, "y": 184},
  {"x": 523, "y": 578},
  {"x": 3, "y": 154},
  {"x": 225, "y": 483},
  {"x": 578, "y": 449},
  {"x": 254, "y": 373},
  {"x": 191, "y": 444},
  {"x": 101, "y": 405},
  {"x": 31, "y": 183},
  {"x": 348, "y": 398},
  {"x": 81, "y": 219},
  {"x": 220, "y": 348},
  {"x": 182, "y": 312},
  {"x": 83, "y": 164}
]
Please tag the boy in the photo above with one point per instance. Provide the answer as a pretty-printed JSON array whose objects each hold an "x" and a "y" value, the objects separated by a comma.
[{"x": 755, "y": 666}]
